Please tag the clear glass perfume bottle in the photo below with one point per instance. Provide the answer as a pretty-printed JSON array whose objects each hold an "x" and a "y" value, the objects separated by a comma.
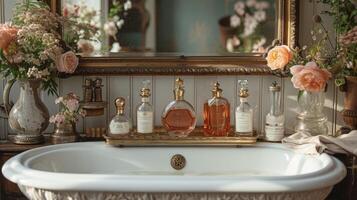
[
  {"x": 244, "y": 112},
  {"x": 144, "y": 112},
  {"x": 120, "y": 123},
  {"x": 179, "y": 117},
  {"x": 274, "y": 127},
  {"x": 216, "y": 115}
]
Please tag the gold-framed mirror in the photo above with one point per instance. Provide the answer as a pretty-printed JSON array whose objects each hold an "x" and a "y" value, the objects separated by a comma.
[{"x": 177, "y": 37}]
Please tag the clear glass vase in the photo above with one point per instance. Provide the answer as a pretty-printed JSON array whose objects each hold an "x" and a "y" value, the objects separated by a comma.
[
  {"x": 310, "y": 116},
  {"x": 65, "y": 133}
]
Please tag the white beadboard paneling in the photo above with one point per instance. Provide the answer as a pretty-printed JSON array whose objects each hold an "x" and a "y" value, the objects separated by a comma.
[
  {"x": 162, "y": 92},
  {"x": 119, "y": 86},
  {"x": 329, "y": 106},
  {"x": 228, "y": 85},
  {"x": 49, "y": 101},
  {"x": 290, "y": 106},
  {"x": 72, "y": 84},
  {"x": 265, "y": 96},
  {"x": 2, "y": 14},
  {"x": 339, "y": 108},
  {"x": 203, "y": 92},
  {"x": 98, "y": 121},
  {"x": 3, "y": 134},
  {"x": 137, "y": 84}
]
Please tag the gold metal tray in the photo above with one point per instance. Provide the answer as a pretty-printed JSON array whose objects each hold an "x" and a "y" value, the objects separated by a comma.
[{"x": 161, "y": 138}]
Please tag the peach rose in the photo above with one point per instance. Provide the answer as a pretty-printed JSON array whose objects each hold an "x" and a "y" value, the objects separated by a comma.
[
  {"x": 309, "y": 77},
  {"x": 279, "y": 57},
  {"x": 67, "y": 62},
  {"x": 7, "y": 35}
]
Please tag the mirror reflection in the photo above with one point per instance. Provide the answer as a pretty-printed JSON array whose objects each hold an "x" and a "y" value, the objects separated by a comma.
[{"x": 184, "y": 27}]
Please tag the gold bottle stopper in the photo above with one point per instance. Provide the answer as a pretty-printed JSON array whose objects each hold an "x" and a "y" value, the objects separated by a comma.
[
  {"x": 217, "y": 91},
  {"x": 243, "y": 92},
  {"x": 120, "y": 105},
  {"x": 179, "y": 89},
  {"x": 145, "y": 91}
]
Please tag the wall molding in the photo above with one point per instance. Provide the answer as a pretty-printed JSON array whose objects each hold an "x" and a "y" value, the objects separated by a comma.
[{"x": 2, "y": 12}]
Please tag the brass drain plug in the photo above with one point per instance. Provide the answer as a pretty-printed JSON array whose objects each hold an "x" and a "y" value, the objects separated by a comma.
[{"x": 178, "y": 162}]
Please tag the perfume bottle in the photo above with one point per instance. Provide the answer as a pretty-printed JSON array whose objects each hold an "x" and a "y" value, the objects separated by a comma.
[
  {"x": 179, "y": 118},
  {"x": 144, "y": 112},
  {"x": 216, "y": 114},
  {"x": 120, "y": 123},
  {"x": 274, "y": 127},
  {"x": 244, "y": 112}
]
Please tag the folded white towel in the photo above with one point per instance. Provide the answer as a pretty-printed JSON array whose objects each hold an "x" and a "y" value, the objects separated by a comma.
[{"x": 305, "y": 143}]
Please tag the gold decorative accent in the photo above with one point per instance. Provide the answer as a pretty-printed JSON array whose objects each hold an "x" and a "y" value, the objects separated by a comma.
[
  {"x": 28, "y": 139},
  {"x": 217, "y": 91},
  {"x": 178, "y": 162},
  {"x": 160, "y": 137},
  {"x": 120, "y": 105},
  {"x": 164, "y": 64},
  {"x": 179, "y": 89}
]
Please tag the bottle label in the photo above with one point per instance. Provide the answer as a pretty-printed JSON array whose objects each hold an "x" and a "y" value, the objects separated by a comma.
[
  {"x": 119, "y": 127},
  {"x": 274, "y": 133},
  {"x": 145, "y": 122},
  {"x": 244, "y": 122}
]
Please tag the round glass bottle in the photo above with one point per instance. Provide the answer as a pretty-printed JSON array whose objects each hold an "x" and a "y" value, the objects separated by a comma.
[{"x": 179, "y": 117}]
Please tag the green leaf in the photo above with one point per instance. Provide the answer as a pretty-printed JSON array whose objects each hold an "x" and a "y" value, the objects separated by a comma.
[
  {"x": 339, "y": 82},
  {"x": 300, "y": 93}
]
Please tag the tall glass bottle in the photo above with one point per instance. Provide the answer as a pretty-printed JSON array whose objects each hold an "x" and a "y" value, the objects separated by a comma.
[
  {"x": 274, "y": 127},
  {"x": 120, "y": 123},
  {"x": 179, "y": 117},
  {"x": 144, "y": 112},
  {"x": 244, "y": 112},
  {"x": 216, "y": 114}
]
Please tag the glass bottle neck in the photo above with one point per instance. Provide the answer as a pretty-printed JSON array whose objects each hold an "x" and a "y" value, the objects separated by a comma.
[
  {"x": 120, "y": 112},
  {"x": 275, "y": 100},
  {"x": 243, "y": 99},
  {"x": 145, "y": 99},
  {"x": 179, "y": 98}
]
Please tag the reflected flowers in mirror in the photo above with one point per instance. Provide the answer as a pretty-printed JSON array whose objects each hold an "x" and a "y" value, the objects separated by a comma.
[
  {"x": 81, "y": 27},
  {"x": 115, "y": 22},
  {"x": 246, "y": 24}
]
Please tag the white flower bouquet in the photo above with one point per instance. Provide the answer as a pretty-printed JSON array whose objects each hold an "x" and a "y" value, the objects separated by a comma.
[{"x": 246, "y": 21}]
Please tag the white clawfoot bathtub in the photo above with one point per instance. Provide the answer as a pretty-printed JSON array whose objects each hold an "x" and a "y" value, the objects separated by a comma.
[{"x": 95, "y": 170}]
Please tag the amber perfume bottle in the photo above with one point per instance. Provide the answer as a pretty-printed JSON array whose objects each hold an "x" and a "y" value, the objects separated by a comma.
[
  {"x": 179, "y": 117},
  {"x": 216, "y": 114}
]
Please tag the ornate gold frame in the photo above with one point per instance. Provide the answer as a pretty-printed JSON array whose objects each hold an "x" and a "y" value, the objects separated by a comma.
[{"x": 159, "y": 64}]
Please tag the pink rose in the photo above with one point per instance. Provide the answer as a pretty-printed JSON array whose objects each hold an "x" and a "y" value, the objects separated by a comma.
[
  {"x": 57, "y": 119},
  {"x": 72, "y": 104},
  {"x": 7, "y": 34},
  {"x": 278, "y": 57},
  {"x": 309, "y": 77},
  {"x": 67, "y": 62}
]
